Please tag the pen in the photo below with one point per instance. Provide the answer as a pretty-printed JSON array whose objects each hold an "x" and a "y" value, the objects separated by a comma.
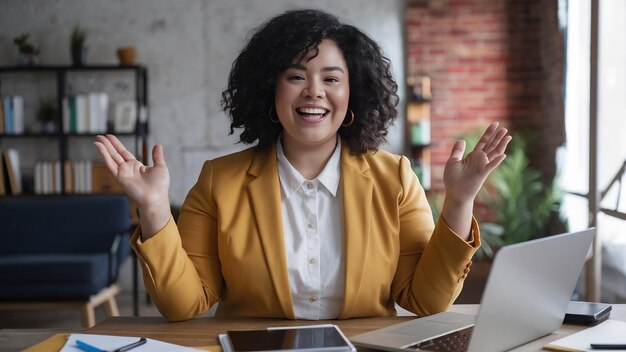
[
  {"x": 89, "y": 348},
  {"x": 131, "y": 345},
  {"x": 608, "y": 346}
]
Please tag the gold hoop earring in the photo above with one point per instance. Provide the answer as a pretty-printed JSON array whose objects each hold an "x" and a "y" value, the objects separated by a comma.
[
  {"x": 351, "y": 120},
  {"x": 270, "y": 115}
]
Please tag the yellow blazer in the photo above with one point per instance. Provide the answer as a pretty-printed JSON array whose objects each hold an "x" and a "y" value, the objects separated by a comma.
[{"x": 228, "y": 244}]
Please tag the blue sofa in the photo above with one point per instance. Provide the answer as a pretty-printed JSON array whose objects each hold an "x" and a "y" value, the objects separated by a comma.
[{"x": 63, "y": 249}]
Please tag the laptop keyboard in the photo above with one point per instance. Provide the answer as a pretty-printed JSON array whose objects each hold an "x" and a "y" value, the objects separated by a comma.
[{"x": 456, "y": 341}]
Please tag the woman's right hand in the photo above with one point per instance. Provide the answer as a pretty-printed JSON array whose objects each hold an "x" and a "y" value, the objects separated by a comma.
[{"x": 147, "y": 186}]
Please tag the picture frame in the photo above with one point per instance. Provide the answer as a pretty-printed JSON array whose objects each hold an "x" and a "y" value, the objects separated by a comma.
[{"x": 125, "y": 118}]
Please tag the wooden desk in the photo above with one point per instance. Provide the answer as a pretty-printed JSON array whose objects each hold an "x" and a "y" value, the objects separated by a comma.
[{"x": 204, "y": 331}]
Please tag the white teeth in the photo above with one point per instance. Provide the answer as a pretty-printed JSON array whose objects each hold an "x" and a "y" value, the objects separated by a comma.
[{"x": 313, "y": 111}]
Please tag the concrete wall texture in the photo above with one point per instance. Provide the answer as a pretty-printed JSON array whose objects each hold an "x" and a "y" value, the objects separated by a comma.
[{"x": 188, "y": 47}]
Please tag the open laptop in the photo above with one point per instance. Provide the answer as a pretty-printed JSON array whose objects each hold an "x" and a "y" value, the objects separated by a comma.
[{"x": 527, "y": 294}]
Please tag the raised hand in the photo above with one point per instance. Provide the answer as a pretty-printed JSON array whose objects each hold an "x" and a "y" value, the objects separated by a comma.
[
  {"x": 145, "y": 185},
  {"x": 463, "y": 177}
]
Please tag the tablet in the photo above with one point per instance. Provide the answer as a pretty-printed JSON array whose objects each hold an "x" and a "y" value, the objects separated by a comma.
[{"x": 289, "y": 338}]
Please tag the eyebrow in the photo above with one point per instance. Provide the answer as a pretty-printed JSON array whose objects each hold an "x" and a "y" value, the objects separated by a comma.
[{"x": 325, "y": 69}]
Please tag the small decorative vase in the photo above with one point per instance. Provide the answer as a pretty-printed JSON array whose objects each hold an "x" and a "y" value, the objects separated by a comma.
[
  {"x": 79, "y": 55},
  {"x": 27, "y": 59},
  {"x": 47, "y": 127},
  {"x": 127, "y": 55}
]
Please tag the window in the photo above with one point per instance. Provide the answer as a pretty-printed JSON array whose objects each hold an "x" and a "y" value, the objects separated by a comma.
[{"x": 573, "y": 157}]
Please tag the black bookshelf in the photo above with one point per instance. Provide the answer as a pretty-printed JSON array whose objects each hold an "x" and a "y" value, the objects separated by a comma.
[{"x": 61, "y": 76}]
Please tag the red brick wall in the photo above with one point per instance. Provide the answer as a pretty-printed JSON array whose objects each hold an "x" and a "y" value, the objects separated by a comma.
[{"x": 489, "y": 60}]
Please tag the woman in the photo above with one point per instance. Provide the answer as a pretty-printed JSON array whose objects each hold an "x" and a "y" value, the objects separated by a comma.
[{"x": 314, "y": 222}]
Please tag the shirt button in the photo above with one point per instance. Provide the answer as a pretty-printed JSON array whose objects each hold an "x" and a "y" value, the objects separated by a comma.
[
  {"x": 309, "y": 186},
  {"x": 312, "y": 299},
  {"x": 312, "y": 261},
  {"x": 309, "y": 226}
]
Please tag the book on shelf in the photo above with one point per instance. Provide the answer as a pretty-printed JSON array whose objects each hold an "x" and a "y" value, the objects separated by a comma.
[
  {"x": 46, "y": 187},
  {"x": 85, "y": 113},
  {"x": 12, "y": 115},
  {"x": 420, "y": 133},
  {"x": 47, "y": 177},
  {"x": 1, "y": 115},
  {"x": 56, "y": 185},
  {"x": 11, "y": 161},
  {"x": 38, "y": 178},
  {"x": 98, "y": 112},
  {"x": 77, "y": 177},
  {"x": 81, "y": 114},
  {"x": 49, "y": 180},
  {"x": 69, "y": 177},
  {"x": 8, "y": 114},
  {"x": 81, "y": 174},
  {"x": 69, "y": 120},
  {"x": 3, "y": 186},
  {"x": 81, "y": 177},
  {"x": 17, "y": 103},
  {"x": 87, "y": 176}
]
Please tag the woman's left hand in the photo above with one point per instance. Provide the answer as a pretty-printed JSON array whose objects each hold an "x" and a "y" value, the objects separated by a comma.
[{"x": 463, "y": 177}]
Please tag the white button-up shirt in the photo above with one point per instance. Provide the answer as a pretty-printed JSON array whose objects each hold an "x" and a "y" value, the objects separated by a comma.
[{"x": 312, "y": 214}]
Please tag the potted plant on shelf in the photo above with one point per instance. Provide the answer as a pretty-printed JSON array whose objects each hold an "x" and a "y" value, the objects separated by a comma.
[
  {"x": 46, "y": 114},
  {"x": 127, "y": 55},
  {"x": 28, "y": 53},
  {"x": 78, "y": 49}
]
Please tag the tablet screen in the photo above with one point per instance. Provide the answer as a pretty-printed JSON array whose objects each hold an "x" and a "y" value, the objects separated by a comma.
[{"x": 288, "y": 339}]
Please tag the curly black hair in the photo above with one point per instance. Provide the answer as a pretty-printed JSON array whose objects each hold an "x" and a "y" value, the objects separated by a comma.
[{"x": 273, "y": 47}]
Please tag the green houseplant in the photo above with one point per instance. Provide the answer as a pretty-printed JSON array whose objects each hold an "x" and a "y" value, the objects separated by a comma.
[
  {"x": 521, "y": 205},
  {"x": 78, "y": 50},
  {"x": 46, "y": 114},
  {"x": 27, "y": 51}
]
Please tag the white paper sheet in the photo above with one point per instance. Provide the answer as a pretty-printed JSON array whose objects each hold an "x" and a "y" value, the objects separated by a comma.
[{"x": 110, "y": 343}]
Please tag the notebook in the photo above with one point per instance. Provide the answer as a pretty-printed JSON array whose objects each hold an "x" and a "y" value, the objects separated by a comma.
[
  {"x": 526, "y": 296},
  {"x": 608, "y": 332}
]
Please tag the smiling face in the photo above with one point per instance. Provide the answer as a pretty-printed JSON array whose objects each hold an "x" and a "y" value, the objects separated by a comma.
[{"x": 312, "y": 99}]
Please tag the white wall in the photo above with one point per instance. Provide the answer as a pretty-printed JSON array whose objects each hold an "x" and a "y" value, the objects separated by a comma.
[{"x": 188, "y": 47}]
